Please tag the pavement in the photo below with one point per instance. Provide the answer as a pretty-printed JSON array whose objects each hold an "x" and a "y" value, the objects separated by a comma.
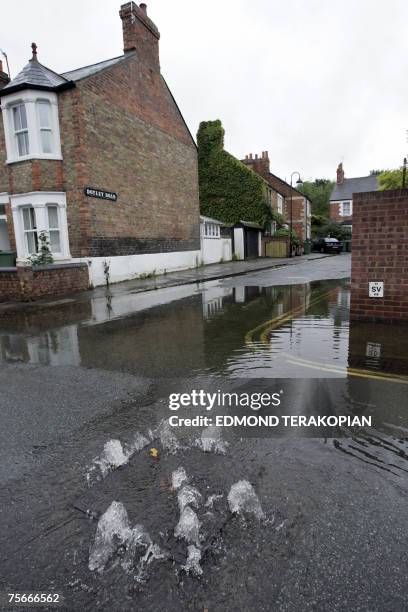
[{"x": 174, "y": 279}]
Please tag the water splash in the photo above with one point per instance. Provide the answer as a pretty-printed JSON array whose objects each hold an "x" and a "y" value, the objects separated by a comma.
[
  {"x": 188, "y": 527},
  {"x": 168, "y": 439},
  {"x": 188, "y": 496},
  {"x": 242, "y": 499},
  {"x": 211, "y": 441},
  {"x": 211, "y": 499},
  {"x": 193, "y": 561},
  {"x": 115, "y": 541},
  {"x": 115, "y": 455},
  {"x": 178, "y": 478}
]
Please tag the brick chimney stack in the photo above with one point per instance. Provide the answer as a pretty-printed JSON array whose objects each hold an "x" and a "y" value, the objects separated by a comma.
[
  {"x": 260, "y": 165},
  {"x": 4, "y": 77},
  {"x": 340, "y": 174},
  {"x": 140, "y": 34}
]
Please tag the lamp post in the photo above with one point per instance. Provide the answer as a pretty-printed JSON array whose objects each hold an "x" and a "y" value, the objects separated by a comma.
[{"x": 299, "y": 183}]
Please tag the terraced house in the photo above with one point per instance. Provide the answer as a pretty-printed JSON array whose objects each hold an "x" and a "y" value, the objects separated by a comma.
[{"x": 101, "y": 159}]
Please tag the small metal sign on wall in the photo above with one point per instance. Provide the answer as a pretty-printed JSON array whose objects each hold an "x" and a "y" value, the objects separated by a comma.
[
  {"x": 376, "y": 289},
  {"x": 102, "y": 194}
]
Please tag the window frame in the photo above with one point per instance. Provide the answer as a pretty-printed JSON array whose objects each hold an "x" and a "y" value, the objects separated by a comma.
[
  {"x": 42, "y": 128},
  {"x": 211, "y": 229},
  {"x": 41, "y": 202},
  {"x": 279, "y": 203},
  {"x": 31, "y": 230},
  {"x": 19, "y": 104},
  {"x": 343, "y": 213},
  {"x": 31, "y": 100}
]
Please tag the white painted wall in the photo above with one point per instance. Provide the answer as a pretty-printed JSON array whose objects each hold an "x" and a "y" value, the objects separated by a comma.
[
  {"x": 239, "y": 242},
  {"x": 213, "y": 250},
  {"x": 4, "y": 239},
  {"x": 128, "y": 267}
]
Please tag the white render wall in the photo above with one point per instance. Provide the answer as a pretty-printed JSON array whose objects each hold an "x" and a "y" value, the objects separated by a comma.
[
  {"x": 239, "y": 242},
  {"x": 128, "y": 267},
  {"x": 215, "y": 250}
]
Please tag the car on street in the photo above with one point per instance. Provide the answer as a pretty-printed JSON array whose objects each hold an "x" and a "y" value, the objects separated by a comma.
[{"x": 327, "y": 245}]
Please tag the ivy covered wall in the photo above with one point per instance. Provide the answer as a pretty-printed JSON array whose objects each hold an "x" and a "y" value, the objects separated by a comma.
[{"x": 229, "y": 191}]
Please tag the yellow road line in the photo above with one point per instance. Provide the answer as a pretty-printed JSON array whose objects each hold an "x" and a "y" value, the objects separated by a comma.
[
  {"x": 347, "y": 371},
  {"x": 268, "y": 326}
]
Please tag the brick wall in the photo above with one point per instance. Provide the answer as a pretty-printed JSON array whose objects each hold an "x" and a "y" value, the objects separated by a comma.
[
  {"x": 380, "y": 253},
  {"x": 26, "y": 283},
  {"x": 122, "y": 131}
]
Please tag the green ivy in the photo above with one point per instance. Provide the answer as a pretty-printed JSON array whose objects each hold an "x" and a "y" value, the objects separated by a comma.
[{"x": 229, "y": 191}]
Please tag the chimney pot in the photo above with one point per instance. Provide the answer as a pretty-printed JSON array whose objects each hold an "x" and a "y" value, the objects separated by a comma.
[
  {"x": 140, "y": 34},
  {"x": 340, "y": 174}
]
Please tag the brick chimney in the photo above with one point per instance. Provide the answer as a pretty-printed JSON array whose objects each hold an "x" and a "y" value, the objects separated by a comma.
[
  {"x": 260, "y": 165},
  {"x": 4, "y": 77},
  {"x": 140, "y": 34},
  {"x": 340, "y": 174}
]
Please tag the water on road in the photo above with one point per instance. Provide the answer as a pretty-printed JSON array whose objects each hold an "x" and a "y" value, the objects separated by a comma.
[{"x": 105, "y": 503}]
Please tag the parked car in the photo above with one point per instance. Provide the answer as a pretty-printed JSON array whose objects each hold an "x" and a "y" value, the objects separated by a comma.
[{"x": 327, "y": 245}]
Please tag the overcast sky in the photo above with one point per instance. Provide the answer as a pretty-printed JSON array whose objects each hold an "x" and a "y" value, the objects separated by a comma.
[{"x": 314, "y": 82}]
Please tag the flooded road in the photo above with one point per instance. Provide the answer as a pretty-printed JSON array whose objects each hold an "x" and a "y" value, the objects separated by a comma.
[{"x": 213, "y": 521}]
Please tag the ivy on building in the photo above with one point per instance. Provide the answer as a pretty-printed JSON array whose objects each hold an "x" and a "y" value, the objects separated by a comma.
[{"x": 229, "y": 191}]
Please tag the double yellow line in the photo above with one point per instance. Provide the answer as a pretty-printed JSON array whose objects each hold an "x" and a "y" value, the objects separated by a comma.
[
  {"x": 307, "y": 363},
  {"x": 265, "y": 328}
]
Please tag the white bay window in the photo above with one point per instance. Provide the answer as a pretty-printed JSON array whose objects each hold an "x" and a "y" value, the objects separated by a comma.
[
  {"x": 37, "y": 212},
  {"x": 20, "y": 129},
  {"x": 31, "y": 125}
]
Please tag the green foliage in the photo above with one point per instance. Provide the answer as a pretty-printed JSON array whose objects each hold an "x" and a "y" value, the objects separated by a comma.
[
  {"x": 278, "y": 218},
  {"x": 390, "y": 179},
  {"x": 318, "y": 192},
  {"x": 283, "y": 231},
  {"x": 44, "y": 256},
  {"x": 319, "y": 220},
  {"x": 229, "y": 191},
  {"x": 334, "y": 230}
]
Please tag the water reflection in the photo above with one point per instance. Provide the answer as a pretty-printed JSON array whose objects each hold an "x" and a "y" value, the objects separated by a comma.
[{"x": 298, "y": 330}]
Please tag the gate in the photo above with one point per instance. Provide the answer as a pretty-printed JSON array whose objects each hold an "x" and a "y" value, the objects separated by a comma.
[{"x": 251, "y": 243}]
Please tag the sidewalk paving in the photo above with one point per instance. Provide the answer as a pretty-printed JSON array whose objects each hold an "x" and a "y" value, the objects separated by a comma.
[{"x": 173, "y": 279}]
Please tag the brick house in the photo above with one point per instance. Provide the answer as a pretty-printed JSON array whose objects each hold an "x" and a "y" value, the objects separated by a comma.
[
  {"x": 281, "y": 193},
  {"x": 341, "y": 199},
  {"x": 101, "y": 158}
]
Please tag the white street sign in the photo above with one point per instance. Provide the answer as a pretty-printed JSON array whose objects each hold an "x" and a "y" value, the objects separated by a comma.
[{"x": 376, "y": 289}]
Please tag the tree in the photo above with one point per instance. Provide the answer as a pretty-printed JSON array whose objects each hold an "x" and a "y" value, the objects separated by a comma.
[
  {"x": 318, "y": 192},
  {"x": 390, "y": 179},
  {"x": 334, "y": 230}
]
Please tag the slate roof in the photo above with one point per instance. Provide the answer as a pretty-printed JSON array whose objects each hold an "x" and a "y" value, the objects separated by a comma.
[
  {"x": 86, "y": 71},
  {"x": 36, "y": 76},
  {"x": 345, "y": 190}
]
